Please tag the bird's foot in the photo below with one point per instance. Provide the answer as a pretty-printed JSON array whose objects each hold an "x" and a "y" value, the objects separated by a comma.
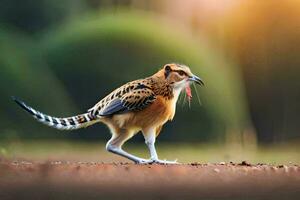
[
  {"x": 143, "y": 161},
  {"x": 156, "y": 161},
  {"x": 163, "y": 162}
]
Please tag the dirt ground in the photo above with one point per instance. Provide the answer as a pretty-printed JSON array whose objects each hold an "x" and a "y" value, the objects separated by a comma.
[{"x": 88, "y": 180}]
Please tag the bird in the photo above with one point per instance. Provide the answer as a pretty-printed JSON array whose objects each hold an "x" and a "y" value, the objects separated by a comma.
[{"x": 142, "y": 105}]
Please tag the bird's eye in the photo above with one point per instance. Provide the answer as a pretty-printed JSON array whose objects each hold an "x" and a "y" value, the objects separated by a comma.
[
  {"x": 167, "y": 71},
  {"x": 181, "y": 73},
  {"x": 168, "y": 68}
]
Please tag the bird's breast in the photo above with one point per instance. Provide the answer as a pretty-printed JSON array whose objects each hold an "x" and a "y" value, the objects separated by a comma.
[{"x": 155, "y": 115}]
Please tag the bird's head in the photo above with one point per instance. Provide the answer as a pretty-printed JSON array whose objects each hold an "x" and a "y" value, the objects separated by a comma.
[{"x": 179, "y": 77}]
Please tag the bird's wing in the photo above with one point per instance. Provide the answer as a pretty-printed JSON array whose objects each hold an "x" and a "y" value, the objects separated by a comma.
[{"x": 131, "y": 97}]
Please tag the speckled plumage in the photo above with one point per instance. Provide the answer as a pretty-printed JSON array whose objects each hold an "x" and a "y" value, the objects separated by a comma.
[{"x": 132, "y": 96}]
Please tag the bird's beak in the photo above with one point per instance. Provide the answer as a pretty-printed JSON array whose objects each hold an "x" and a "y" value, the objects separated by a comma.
[{"x": 196, "y": 79}]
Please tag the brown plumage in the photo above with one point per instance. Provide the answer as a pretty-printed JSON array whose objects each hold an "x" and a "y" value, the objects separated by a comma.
[{"x": 142, "y": 105}]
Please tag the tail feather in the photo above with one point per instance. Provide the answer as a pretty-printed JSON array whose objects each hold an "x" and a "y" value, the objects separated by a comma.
[{"x": 67, "y": 123}]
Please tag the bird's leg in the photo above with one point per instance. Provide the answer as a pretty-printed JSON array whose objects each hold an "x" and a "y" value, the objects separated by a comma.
[
  {"x": 114, "y": 145},
  {"x": 150, "y": 136}
]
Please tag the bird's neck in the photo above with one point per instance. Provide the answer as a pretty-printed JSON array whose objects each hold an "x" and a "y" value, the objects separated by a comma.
[{"x": 162, "y": 88}]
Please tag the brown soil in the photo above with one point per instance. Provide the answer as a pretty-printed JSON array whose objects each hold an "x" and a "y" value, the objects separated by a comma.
[{"x": 70, "y": 180}]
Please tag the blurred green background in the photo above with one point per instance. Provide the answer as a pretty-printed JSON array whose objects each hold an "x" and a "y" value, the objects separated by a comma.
[{"x": 62, "y": 57}]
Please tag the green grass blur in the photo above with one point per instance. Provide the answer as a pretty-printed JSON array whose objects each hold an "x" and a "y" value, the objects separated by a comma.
[{"x": 43, "y": 151}]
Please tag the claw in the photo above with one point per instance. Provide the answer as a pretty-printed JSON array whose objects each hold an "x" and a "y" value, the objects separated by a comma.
[
  {"x": 165, "y": 162},
  {"x": 143, "y": 161},
  {"x": 157, "y": 161}
]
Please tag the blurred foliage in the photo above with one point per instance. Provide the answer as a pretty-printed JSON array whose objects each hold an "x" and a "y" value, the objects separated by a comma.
[
  {"x": 25, "y": 74},
  {"x": 264, "y": 38},
  {"x": 32, "y": 16}
]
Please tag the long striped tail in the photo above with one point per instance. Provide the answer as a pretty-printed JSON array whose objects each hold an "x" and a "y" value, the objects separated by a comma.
[{"x": 67, "y": 123}]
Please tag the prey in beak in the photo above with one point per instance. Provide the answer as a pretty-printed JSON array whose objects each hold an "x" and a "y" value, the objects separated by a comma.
[
  {"x": 180, "y": 76},
  {"x": 188, "y": 91}
]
